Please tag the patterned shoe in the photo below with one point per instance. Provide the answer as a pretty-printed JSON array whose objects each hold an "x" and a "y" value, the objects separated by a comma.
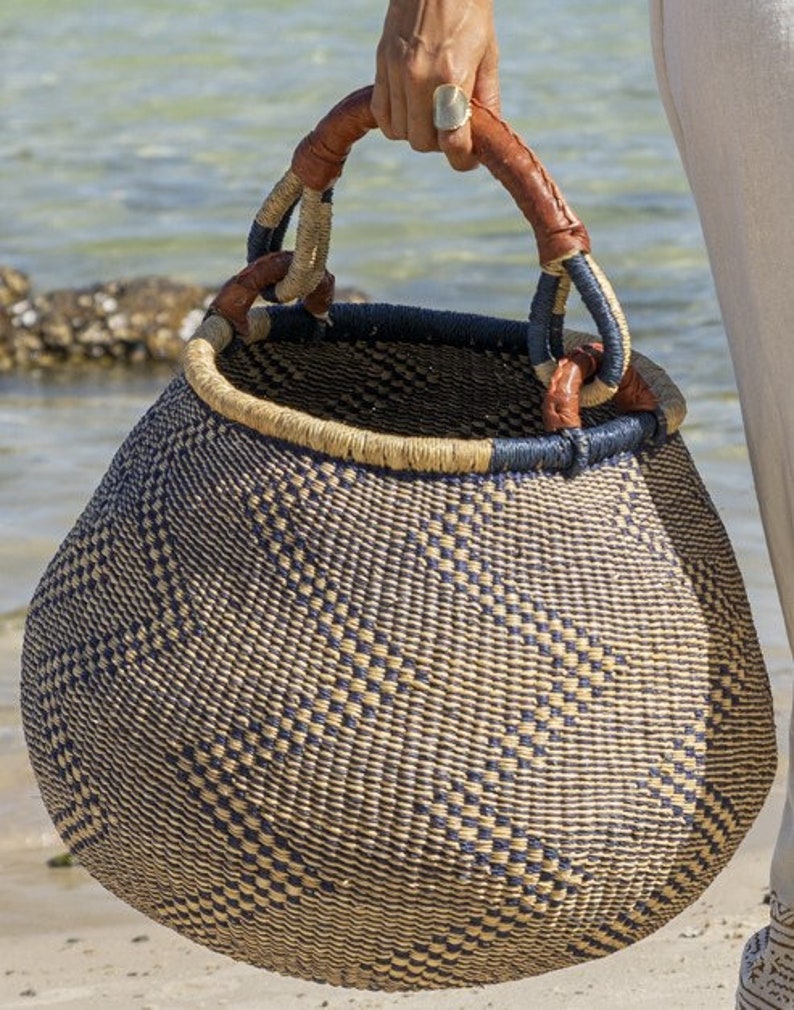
[{"x": 766, "y": 979}]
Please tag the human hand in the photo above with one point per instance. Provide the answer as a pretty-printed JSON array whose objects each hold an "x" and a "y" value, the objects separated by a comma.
[{"x": 425, "y": 43}]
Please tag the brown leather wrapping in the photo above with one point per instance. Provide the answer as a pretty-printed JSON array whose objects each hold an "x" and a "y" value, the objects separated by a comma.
[
  {"x": 237, "y": 295},
  {"x": 634, "y": 394},
  {"x": 558, "y": 232},
  {"x": 561, "y": 406},
  {"x": 319, "y": 301},
  {"x": 320, "y": 157}
]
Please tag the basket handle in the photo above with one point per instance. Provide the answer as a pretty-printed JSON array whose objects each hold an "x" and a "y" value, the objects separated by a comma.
[
  {"x": 562, "y": 240},
  {"x": 320, "y": 157}
]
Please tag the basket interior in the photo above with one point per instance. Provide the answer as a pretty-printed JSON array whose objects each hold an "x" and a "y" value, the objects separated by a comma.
[{"x": 418, "y": 377}]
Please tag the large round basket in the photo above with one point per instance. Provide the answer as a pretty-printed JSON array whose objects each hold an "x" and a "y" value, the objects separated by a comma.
[{"x": 401, "y": 649}]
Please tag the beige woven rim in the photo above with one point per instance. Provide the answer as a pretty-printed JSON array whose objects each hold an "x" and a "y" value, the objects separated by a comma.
[{"x": 344, "y": 441}]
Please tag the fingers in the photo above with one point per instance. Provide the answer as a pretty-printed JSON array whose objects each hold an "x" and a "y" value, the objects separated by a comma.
[
  {"x": 426, "y": 45},
  {"x": 486, "y": 83},
  {"x": 388, "y": 95},
  {"x": 458, "y": 150},
  {"x": 407, "y": 114},
  {"x": 402, "y": 100},
  {"x": 457, "y": 144}
]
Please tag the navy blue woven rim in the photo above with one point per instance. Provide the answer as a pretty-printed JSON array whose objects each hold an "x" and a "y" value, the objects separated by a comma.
[{"x": 570, "y": 451}]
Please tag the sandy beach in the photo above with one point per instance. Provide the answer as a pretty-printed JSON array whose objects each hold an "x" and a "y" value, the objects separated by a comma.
[{"x": 66, "y": 942}]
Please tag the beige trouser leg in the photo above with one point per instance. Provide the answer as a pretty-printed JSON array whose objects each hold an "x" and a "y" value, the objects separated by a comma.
[{"x": 726, "y": 74}]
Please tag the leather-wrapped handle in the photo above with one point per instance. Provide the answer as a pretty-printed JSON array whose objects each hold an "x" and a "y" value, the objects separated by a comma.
[
  {"x": 562, "y": 402},
  {"x": 320, "y": 157},
  {"x": 562, "y": 240},
  {"x": 238, "y": 294}
]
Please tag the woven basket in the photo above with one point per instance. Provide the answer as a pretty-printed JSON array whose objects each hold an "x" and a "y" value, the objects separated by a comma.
[{"x": 393, "y": 654}]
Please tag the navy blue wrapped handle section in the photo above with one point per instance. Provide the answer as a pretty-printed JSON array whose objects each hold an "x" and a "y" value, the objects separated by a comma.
[
  {"x": 262, "y": 241},
  {"x": 545, "y": 334}
]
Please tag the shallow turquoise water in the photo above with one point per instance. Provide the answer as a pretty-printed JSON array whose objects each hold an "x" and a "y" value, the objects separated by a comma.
[{"x": 140, "y": 138}]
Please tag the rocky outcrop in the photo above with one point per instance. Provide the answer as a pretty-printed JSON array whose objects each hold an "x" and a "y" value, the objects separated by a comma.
[
  {"x": 134, "y": 321},
  {"x": 138, "y": 320}
]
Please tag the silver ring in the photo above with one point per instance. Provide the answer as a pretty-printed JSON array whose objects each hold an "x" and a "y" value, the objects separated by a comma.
[{"x": 451, "y": 108}]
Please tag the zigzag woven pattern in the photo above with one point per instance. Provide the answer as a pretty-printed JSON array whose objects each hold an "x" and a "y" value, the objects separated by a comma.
[{"x": 389, "y": 729}]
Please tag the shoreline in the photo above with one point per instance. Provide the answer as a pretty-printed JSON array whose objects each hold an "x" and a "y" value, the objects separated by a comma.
[{"x": 128, "y": 321}]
